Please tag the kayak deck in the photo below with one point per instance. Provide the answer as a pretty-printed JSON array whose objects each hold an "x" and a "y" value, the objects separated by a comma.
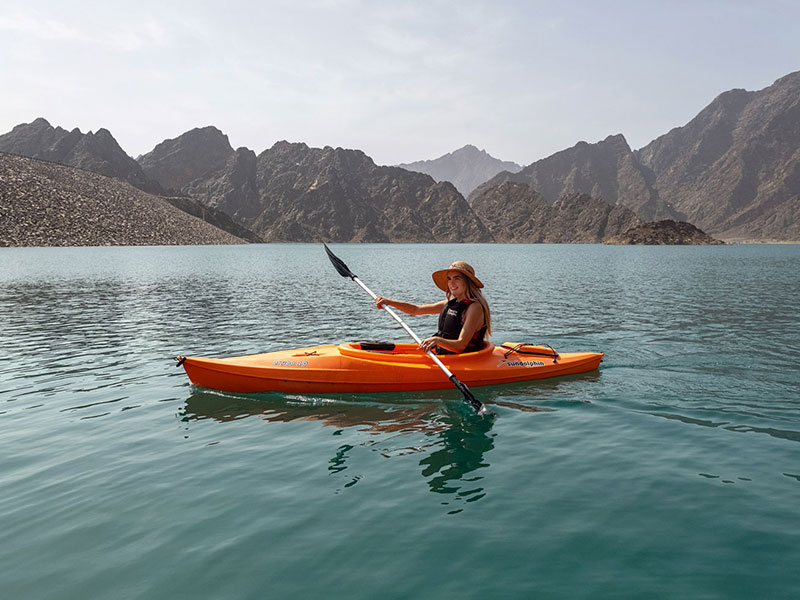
[{"x": 380, "y": 367}]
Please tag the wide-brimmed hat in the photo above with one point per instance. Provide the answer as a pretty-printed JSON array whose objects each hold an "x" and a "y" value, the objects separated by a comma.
[{"x": 440, "y": 277}]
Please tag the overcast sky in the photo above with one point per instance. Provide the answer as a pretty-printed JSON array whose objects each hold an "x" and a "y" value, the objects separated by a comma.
[{"x": 400, "y": 80}]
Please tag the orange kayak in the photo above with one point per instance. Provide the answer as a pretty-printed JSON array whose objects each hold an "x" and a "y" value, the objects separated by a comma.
[{"x": 380, "y": 367}]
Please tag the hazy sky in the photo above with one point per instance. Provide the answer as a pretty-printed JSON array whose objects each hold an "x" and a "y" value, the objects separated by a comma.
[{"x": 400, "y": 80}]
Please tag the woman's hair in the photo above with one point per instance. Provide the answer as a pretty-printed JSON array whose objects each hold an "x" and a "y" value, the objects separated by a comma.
[{"x": 474, "y": 293}]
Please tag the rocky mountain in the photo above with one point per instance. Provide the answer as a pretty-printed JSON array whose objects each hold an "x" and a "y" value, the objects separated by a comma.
[
  {"x": 466, "y": 168},
  {"x": 97, "y": 152},
  {"x": 662, "y": 233},
  {"x": 734, "y": 169},
  {"x": 45, "y": 204},
  {"x": 292, "y": 192},
  {"x": 607, "y": 170},
  {"x": 175, "y": 163},
  {"x": 515, "y": 212},
  {"x": 202, "y": 164}
]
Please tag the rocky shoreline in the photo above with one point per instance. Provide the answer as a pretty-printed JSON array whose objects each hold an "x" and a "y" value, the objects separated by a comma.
[{"x": 45, "y": 204}]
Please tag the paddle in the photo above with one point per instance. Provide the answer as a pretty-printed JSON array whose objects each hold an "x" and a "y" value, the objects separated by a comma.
[{"x": 345, "y": 272}]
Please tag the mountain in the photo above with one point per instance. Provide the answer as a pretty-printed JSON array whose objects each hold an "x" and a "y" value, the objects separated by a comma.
[
  {"x": 466, "y": 168},
  {"x": 46, "y": 204},
  {"x": 515, "y": 212},
  {"x": 734, "y": 170},
  {"x": 174, "y": 163},
  {"x": 202, "y": 164},
  {"x": 292, "y": 192},
  {"x": 97, "y": 152},
  {"x": 607, "y": 170}
]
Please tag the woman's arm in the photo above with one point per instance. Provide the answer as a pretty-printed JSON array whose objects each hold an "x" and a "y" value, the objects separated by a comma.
[
  {"x": 411, "y": 309},
  {"x": 473, "y": 321}
]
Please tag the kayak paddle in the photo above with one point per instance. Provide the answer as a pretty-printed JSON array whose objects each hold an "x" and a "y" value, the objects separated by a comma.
[{"x": 342, "y": 269}]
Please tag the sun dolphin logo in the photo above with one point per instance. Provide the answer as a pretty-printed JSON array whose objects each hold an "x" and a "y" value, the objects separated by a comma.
[{"x": 520, "y": 363}]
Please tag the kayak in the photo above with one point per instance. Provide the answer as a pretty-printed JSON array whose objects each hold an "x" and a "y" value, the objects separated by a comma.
[{"x": 380, "y": 367}]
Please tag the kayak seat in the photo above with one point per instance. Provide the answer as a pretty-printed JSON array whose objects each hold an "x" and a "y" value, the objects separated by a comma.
[{"x": 377, "y": 346}]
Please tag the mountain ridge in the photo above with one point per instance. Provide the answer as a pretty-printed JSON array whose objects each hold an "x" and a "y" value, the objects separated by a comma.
[
  {"x": 96, "y": 151},
  {"x": 733, "y": 170},
  {"x": 606, "y": 169}
]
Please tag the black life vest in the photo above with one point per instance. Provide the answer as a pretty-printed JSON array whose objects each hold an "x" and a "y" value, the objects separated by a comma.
[{"x": 451, "y": 320}]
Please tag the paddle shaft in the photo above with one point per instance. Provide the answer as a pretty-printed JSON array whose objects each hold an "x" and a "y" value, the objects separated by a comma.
[
  {"x": 344, "y": 271},
  {"x": 477, "y": 405},
  {"x": 406, "y": 327}
]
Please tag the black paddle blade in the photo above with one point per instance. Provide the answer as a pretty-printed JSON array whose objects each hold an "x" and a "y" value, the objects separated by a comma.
[
  {"x": 476, "y": 404},
  {"x": 338, "y": 264}
]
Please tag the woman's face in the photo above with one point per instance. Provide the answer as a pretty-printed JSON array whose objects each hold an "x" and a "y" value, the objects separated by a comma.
[{"x": 456, "y": 283}]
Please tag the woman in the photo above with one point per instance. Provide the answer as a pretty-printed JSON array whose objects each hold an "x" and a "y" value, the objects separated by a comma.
[{"x": 464, "y": 317}]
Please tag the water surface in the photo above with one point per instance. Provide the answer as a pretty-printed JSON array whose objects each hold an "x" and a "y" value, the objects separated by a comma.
[{"x": 672, "y": 472}]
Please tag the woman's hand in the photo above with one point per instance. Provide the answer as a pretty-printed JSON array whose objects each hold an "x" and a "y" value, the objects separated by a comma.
[
  {"x": 428, "y": 343},
  {"x": 380, "y": 301}
]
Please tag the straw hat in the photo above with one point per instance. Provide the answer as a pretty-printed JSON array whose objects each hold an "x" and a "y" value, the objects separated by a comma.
[{"x": 440, "y": 277}]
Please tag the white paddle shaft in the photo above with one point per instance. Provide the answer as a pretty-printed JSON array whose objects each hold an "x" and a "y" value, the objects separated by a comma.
[{"x": 406, "y": 327}]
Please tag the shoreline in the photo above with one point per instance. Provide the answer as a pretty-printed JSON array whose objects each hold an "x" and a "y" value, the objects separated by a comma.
[{"x": 728, "y": 242}]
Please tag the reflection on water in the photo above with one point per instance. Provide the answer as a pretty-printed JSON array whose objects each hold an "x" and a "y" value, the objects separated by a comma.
[
  {"x": 461, "y": 452},
  {"x": 452, "y": 440}
]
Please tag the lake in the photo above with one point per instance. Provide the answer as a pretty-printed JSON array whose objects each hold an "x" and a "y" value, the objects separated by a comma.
[{"x": 671, "y": 472}]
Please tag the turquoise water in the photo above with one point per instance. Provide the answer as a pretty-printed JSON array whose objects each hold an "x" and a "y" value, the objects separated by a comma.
[{"x": 672, "y": 472}]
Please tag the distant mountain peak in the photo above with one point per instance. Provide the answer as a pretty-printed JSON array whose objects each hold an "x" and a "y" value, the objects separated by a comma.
[
  {"x": 38, "y": 122},
  {"x": 466, "y": 168}
]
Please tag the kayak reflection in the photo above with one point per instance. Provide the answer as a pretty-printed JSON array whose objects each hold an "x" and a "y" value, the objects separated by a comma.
[
  {"x": 451, "y": 439},
  {"x": 332, "y": 412}
]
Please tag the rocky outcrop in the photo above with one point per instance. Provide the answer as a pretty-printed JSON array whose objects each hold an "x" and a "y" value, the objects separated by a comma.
[
  {"x": 466, "y": 168},
  {"x": 734, "y": 170},
  {"x": 666, "y": 232},
  {"x": 45, "y": 204},
  {"x": 515, "y": 212},
  {"x": 97, "y": 152},
  {"x": 606, "y": 170}
]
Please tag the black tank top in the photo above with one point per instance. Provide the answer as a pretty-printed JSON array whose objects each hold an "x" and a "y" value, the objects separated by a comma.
[{"x": 451, "y": 320}]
